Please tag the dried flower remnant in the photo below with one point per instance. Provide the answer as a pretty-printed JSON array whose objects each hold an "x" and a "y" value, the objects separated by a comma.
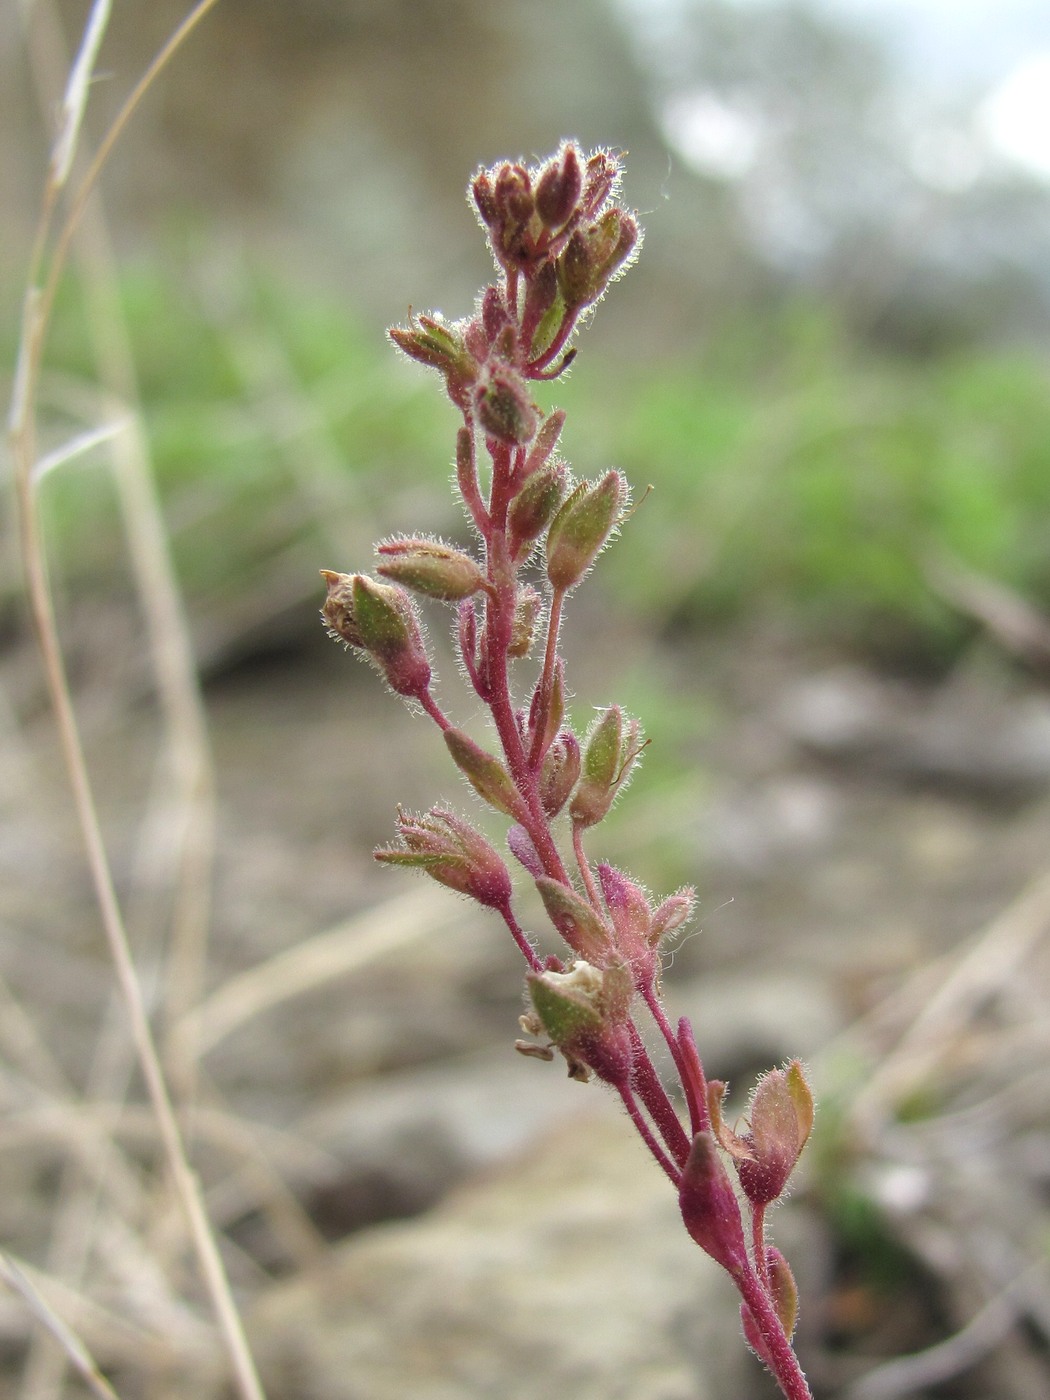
[{"x": 559, "y": 237}]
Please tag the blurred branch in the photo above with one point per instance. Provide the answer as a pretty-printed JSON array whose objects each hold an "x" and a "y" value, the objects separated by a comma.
[{"x": 1014, "y": 623}]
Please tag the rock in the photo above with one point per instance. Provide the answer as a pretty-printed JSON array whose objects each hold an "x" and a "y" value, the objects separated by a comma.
[
  {"x": 749, "y": 1021},
  {"x": 402, "y": 1142},
  {"x": 568, "y": 1274},
  {"x": 974, "y": 733}
]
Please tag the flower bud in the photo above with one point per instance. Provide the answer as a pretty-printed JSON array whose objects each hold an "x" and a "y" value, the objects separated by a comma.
[
  {"x": 543, "y": 310},
  {"x": 784, "y": 1289},
  {"x": 527, "y": 607},
  {"x": 504, "y": 407},
  {"x": 608, "y": 759},
  {"x": 486, "y": 775},
  {"x": 576, "y": 276},
  {"x": 338, "y": 611},
  {"x": 709, "y": 1207},
  {"x": 513, "y": 193},
  {"x": 594, "y": 255},
  {"x": 522, "y": 849},
  {"x": 561, "y": 769},
  {"x": 784, "y": 1293},
  {"x": 559, "y": 187},
  {"x": 603, "y": 172},
  {"x": 582, "y": 527},
  {"x": 451, "y": 852},
  {"x": 512, "y": 227},
  {"x": 534, "y": 507},
  {"x": 546, "y": 441},
  {"x": 433, "y": 343},
  {"x": 484, "y": 198},
  {"x": 780, "y": 1117},
  {"x": 548, "y": 707},
  {"x": 676, "y": 909},
  {"x": 389, "y": 629},
  {"x": 494, "y": 315},
  {"x": 476, "y": 341},
  {"x": 431, "y": 568},
  {"x": 631, "y": 918},
  {"x": 616, "y": 241},
  {"x": 575, "y": 920},
  {"x": 754, "y": 1338},
  {"x": 627, "y": 905}
]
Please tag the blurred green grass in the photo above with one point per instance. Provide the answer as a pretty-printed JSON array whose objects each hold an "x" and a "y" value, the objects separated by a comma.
[
  {"x": 795, "y": 472},
  {"x": 801, "y": 474}
]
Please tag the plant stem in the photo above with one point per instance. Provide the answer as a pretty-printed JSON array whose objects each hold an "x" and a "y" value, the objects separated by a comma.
[
  {"x": 646, "y": 1134},
  {"x": 656, "y": 1100},
  {"x": 521, "y": 938},
  {"x": 435, "y": 711},
  {"x": 584, "y": 868},
  {"x": 782, "y": 1360},
  {"x": 694, "y": 1082},
  {"x": 678, "y": 1054}
]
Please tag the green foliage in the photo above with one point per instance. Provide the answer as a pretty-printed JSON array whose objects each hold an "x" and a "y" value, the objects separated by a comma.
[
  {"x": 273, "y": 419},
  {"x": 811, "y": 477}
]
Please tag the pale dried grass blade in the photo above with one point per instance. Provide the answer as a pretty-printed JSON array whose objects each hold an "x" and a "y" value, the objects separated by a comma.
[
  {"x": 971, "y": 976},
  {"x": 346, "y": 948},
  {"x": 76, "y": 447},
  {"x": 75, "y": 99},
  {"x": 76, "y": 1352},
  {"x": 36, "y": 315}
]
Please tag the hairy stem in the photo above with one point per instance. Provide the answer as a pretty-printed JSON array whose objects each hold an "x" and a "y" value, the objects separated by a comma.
[
  {"x": 655, "y": 1097},
  {"x": 646, "y": 1134},
  {"x": 782, "y": 1360}
]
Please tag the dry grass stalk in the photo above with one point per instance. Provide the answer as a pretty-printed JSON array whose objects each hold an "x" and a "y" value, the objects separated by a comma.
[{"x": 52, "y": 247}]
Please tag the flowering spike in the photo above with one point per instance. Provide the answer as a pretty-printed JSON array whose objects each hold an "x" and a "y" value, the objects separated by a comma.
[{"x": 559, "y": 238}]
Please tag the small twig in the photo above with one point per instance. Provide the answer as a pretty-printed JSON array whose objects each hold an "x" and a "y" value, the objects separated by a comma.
[{"x": 1011, "y": 619}]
